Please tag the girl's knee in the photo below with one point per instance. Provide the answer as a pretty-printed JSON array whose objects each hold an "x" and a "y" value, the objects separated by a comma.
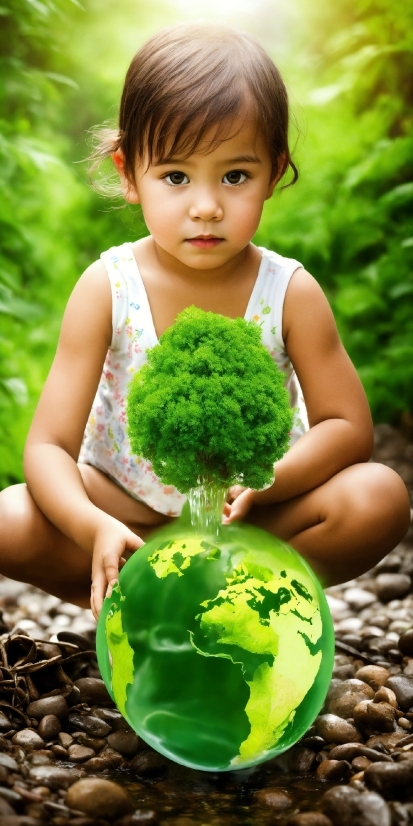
[{"x": 374, "y": 492}]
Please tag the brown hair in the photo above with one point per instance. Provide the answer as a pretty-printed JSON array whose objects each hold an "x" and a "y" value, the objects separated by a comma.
[{"x": 187, "y": 79}]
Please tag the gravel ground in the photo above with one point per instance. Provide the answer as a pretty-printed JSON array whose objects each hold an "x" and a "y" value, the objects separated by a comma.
[{"x": 68, "y": 757}]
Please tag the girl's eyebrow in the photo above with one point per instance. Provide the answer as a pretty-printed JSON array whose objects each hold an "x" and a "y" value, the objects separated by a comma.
[{"x": 226, "y": 162}]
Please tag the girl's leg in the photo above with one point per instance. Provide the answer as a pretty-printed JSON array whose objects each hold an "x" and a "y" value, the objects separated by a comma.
[
  {"x": 35, "y": 551},
  {"x": 344, "y": 527}
]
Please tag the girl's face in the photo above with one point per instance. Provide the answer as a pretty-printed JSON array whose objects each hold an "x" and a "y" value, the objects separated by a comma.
[{"x": 204, "y": 210}]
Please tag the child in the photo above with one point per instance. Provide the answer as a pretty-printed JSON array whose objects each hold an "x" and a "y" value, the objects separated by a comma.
[{"x": 202, "y": 143}]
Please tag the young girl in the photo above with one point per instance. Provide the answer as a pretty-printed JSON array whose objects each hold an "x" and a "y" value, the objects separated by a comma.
[{"x": 202, "y": 143}]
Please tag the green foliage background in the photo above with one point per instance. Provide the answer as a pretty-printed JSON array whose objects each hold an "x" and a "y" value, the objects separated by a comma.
[{"x": 348, "y": 65}]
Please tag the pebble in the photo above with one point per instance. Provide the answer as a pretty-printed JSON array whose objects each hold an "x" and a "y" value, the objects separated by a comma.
[
  {"x": 334, "y": 729},
  {"x": 125, "y": 742},
  {"x": 374, "y": 717},
  {"x": 5, "y": 724},
  {"x": 78, "y": 754},
  {"x": 8, "y": 762},
  {"x": 343, "y": 697},
  {"x": 402, "y": 686},
  {"x": 348, "y": 751},
  {"x": 392, "y": 586},
  {"x": 54, "y": 777},
  {"x": 358, "y": 598},
  {"x": 385, "y": 695},
  {"x": 274, "y": 798},
  {"x": 89, "y": 723},
  {"x": 300, "y": 759},
  {"x": 374, "y": 675},
  {"x": 92, "y": 691},
  {"x": 56, "y": 705},
  {"x": 332, "y": 771},
  {"x": 99, "y": 798},
  {"x": 148, "y": 764},
  {"x": 49, "y": 727},
  {"x": 390, "y": 779},
  {"x": 310, "y": 819},
  {"x": 406, "y": 643},
  {"x": 347, "y": 807},
  {"x": 27, "y": 739}
]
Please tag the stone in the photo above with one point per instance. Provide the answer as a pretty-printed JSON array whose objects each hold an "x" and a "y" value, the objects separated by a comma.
[
  {"x": 392, "y": 586},
  {"x": 406, "y": 643},
  {"x": 374, "y": 675},
  {"x": 402, "y": 686},
  {"x": 348, "y": 807},
  {"x": 348, "y": 751},
  {"x": 358, "y": 598},
  {"x": 114, "y": 719},
  {"x": 149, "y": 764},
  {"x": 113, "y": 757},
  {"x": 56, "y": 705},
  {"x": 333, "y": 771},
  {"x": 49, "y": 727},
  {"x": 310, "y": 819},
  {"x": 78, "y": 754},
  {"x": 125, "y": 742},
  {"x": 97, "y": 797},
  {"x": 27, "y": 739},
  {"x": 392, "y": 780},
  {"x": 54, "y": 777},
  {"x": 360, "y": 764},
  {"x": 5, "y": 724},
  {"x": 89, "y": 723},
  {"x": 274, "y": 798},
  {"x": 8, "y": 762},
  {"x": 300, "y": 759},
  {"x": 92, "y": 691},
  {"x": 334, "y": 729},
  {"x": 65, "y": 739},
  {"x": 385, "y": 695},
  {"x": 5, "y": 809},
  {"x": 374, "y": 717},
  {"x": 389, "y": 741},
  {"x": 342, "y": 698}
]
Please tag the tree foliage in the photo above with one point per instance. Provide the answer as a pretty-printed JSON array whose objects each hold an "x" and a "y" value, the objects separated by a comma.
[{"x": 210, "y": 406}]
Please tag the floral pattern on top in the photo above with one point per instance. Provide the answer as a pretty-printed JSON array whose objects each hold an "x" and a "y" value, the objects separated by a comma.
[{"x": 105, "y": 444}]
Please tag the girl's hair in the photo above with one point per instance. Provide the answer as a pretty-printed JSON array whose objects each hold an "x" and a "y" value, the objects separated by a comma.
[{"x": 188, "y": 79}]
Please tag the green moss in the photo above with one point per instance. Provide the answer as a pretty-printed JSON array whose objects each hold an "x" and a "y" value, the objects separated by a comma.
[{"x": 210, "y": 406}]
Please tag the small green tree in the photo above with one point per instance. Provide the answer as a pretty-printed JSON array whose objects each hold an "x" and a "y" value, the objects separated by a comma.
[{"x": 210, "y": 406}]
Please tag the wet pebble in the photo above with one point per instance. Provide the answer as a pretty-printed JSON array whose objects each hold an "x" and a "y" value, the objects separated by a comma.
[
  {"x": 89, "y": 723},
  {"x": 55, "y": 777},
  {"x": 310, "y": 819},
  {"x": 403, "y": 689},
  {"x": 334, "y": 729},
  {"x": 99, "y": 798},
  {"x": 344, "y": 696},
  {"x": 27, "y": 739},
  {"x": 374, "y": 717},
  {"x": 49, "y": 727},
  {"x": 374, "y": 675},
  {"x": 92, "y": 691},
  {"x": 332, "y": 771},
  {"x": 301, "y": 759},
  {"x": 274, "y": 798},
  {"x": 392, "y": 780},
  {"x": 148, "y": 764},
  {"x": 347, "y": 807},
  {"x": 406, "y": 643},
  {"x": 125, "y": 742},
  {"x": 78, "y": 754},
  {"x": 48, "y": 705}
]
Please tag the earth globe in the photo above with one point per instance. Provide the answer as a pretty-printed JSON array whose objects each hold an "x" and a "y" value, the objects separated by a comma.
[{"x": 217, "y": 644}]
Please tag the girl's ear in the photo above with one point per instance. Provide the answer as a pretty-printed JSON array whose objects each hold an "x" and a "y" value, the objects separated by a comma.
[{"x": 129, "y": 190}]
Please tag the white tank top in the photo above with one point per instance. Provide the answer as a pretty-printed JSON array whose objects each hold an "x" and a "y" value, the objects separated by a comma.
[{"x": 105, "y": 443}]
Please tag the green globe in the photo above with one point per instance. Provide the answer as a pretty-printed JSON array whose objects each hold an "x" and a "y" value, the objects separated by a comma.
[{"x": 217, "y": 651}]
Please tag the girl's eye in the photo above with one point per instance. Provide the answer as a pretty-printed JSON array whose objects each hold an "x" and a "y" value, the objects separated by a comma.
[
  {"x": 235, "y": 177},
  {"x": 176, "y": 178}
]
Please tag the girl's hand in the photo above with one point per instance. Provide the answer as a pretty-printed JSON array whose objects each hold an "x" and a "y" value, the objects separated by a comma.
[
  {"x": 241, "y": 501},
  {"x": 111, "y": 542}
]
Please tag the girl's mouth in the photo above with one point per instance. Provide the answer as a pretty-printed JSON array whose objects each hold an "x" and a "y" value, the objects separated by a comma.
[{"x": 204, "y": 242}]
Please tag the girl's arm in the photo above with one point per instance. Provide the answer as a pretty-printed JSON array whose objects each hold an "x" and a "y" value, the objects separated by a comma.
[
  {"x": 53, "y": 444},
  {"x": 341, "y": 431}
]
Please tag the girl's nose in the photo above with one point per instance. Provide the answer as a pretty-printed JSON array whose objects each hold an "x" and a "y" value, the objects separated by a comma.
[{"x": 206, "y": 207}]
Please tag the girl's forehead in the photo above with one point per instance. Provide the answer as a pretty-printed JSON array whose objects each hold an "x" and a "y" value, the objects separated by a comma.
[{"x": 238, "y": 137}]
